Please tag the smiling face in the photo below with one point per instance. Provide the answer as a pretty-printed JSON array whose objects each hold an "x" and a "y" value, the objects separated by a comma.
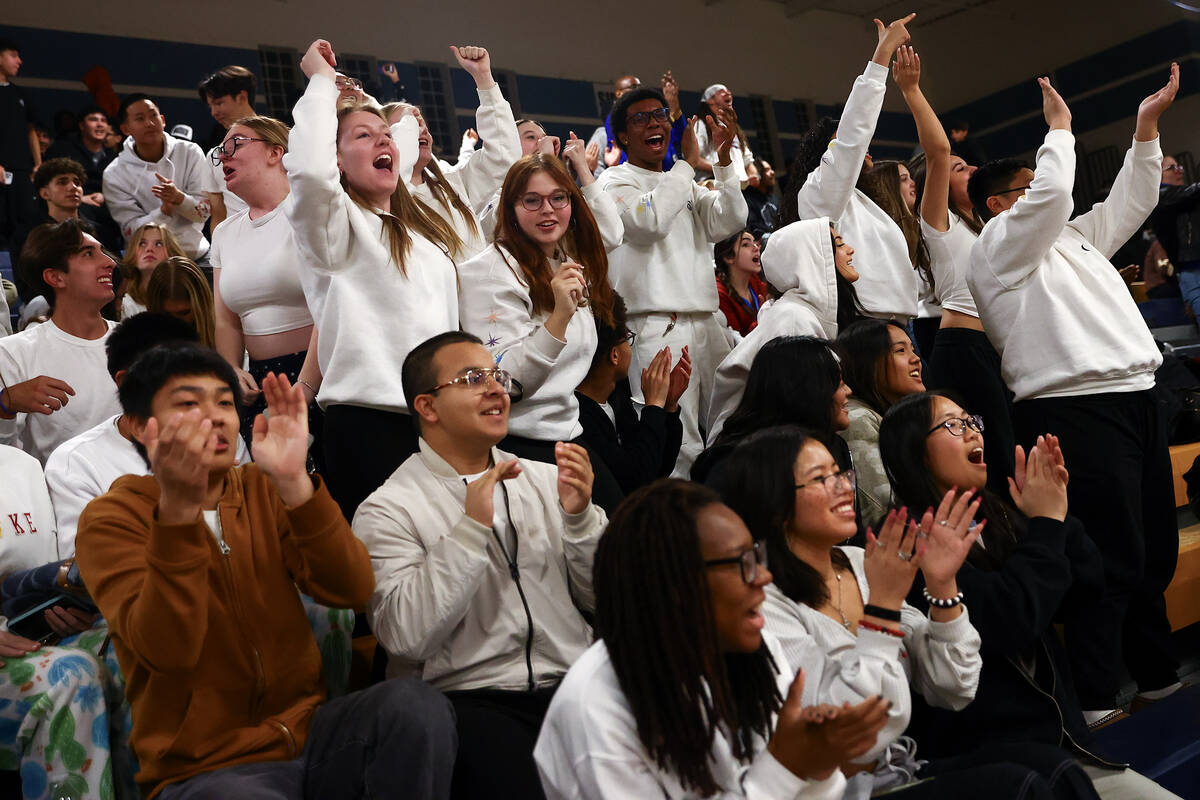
[
  {"x": 954, "y": 460},
  {"x": 548, "y": 224},
  {"x": 843, "y": 256},
  {"x": 840, "y": 413},
  {"x": 89, "y": 275},
  {"x": 367, "y": 155},
  {"x": 746, "y": 255},
  {"x": 64, "y": 192},
  {"x": 960, "y": 174},
  {"x": 646, "y": 144},
  {"x": 468, "y": 414},
  {"x": 908, "y": 187},
  {"x": 820, "y": 516},
  {"x": 214, "y": 398},
  {"x": 250, "y": 161},
  {"x": 529, "y": 132},
  {"x": 723, "y": 99},
  {"x": 736, "y": 605},
  {"x": 94, "y": 128},
  {"x": 144, "y": 122},
  {"x": 902, "y": 367}
]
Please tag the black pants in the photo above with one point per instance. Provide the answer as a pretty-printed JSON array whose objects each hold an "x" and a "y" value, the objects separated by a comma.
[
  {"x": 363, "y": 447},
  {"x": 18, "y": 205},
  {"x": 606, "y": 492},
  {"x": 393, "y": 740},
  {"x": 924, "y": 331},
  {"x": 497, "y": 731},
  {"x": 1017, "y": 770},
  {"x": 964, "y": 362},
  {"x": 1121, "y": 488},
  {"x": 289, "y": 365}
]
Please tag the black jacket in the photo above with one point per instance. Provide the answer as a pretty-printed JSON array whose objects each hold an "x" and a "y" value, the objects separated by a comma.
[
  {"x": 635, "y": 450},
  {"x": 1053, "y": 573},
  {"x": 1176, "y": 222},
  {"x": 71, "y": 146}
]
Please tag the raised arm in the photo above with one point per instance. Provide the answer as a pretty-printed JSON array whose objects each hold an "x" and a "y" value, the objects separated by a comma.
[
  {"x": 935, "y": 202},
  {"x": 1134, "y": 192}
]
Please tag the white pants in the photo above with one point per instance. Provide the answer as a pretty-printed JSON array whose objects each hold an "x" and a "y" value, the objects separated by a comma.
[
  {"x": 1112, "y": 784},
  {"x": 707, "y": 345}
]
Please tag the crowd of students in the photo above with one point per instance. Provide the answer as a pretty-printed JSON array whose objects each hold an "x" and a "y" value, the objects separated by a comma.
[{"x": 636, "y": 472}]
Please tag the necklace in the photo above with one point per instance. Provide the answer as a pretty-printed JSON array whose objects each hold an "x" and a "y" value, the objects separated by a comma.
[{"x": 845, "y": 622}]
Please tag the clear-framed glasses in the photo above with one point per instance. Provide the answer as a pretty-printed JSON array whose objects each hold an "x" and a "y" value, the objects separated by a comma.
[
  {"x": 227, "y": 148},
  {"x": 958, "y": 425},
  {"x": 532, "y": 201},
  {"x": 346, "y": 83},
  {"x": 1173, "y": 168},
  {"x": 478, "y": 379},
  {"x": 642, "y": 118},
  {"x": 748, "y": 561},
  {"x": 845, "y": 477}
]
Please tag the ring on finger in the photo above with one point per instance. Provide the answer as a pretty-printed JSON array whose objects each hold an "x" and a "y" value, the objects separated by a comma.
[
  {"x": 944, "y": 523},
  {"x": 904, "y": 556}
]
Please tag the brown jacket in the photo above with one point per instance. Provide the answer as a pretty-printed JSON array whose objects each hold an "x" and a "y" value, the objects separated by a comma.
[{"x": 219, "y": 660}]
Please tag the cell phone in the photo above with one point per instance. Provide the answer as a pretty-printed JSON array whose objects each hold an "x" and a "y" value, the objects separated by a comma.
[
  {"x": 32, "y": 622},
  {"x": 388, "y": 69},
  {"x": 8, "y": 176}
]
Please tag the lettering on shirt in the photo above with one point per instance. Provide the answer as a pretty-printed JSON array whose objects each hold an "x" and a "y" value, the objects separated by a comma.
[{"x": 16, "y": 526}]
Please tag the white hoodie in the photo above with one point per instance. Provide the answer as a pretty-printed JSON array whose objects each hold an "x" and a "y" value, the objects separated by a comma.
[
  {"x": 128, "y": 181},
  {"x": 1056, "y": 310},
  {"x": 799, "y": 262},
  {"x": 27, "y": 537},
  {"x": 888, "y": 286}
]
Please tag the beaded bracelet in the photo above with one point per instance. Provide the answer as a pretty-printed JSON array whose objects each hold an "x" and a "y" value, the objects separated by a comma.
[
  {"x": 891, "y": 615},
  {"x": 942, "y": 602},
  {"x": 4, "y": 409},
  {"x": 871, "y": 626}
]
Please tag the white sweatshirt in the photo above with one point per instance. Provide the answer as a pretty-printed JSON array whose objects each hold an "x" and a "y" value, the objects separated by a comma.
[
  {"x": 940, "y": 659},
  {"x": 665, "y": 263},
  {"x": 259, "y": 272},
  {"x": 888, "y": 286},
  {"x": 495, "y": 306},
  {"x": 85, "y": 467},
  {"x": 444, "y": 598},
  {"x": 128, "y": 181},
  {"x": 608, "y": 218},
  {"x": 27, "y": 537},
  {"x": 1056, "y": 310},
  {"x": 479, "y": 177},
  {"x": 949, "y": 260},
  {"x": 589, "y": 748},
  {"x": 739, "y": 152},
  {"x": 799, "y": 262},
  {"x": 82, "y": 363},
  {"x": 370, "y": 315}
]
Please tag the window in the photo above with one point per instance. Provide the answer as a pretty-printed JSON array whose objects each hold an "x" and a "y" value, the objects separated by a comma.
[
  {"x": 437, "y": 105},
  {"x": 362, "y": 67},
  {"x": 280, "y": 67}
]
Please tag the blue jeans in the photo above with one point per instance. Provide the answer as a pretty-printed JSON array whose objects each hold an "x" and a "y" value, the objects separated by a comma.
[{"x": 1189, "y": 285}]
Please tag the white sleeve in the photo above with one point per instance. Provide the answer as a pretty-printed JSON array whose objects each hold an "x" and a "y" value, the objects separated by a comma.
[
  {"x": 483, "y": 173},
  {"x": 722, "y": 212},
  {"x": 1013, "y": 244},
  {"x": 647, "y": 216},
  {"x": 12, "y": 373},
  {"x": 196, "y": 183},
  {"x": 581, "y": 533},
  {"x": 944, "y": 658},
  {"x": 405, "y": 134},
  {"x": 827, "y": 190},
  {"x": 1133, "y": 196},
  {"x": 421, "y": 592},
  {"x": 319, "y": 209},
  {"x": 69, "y": 495},
  {"x": 608, "y": 217}
]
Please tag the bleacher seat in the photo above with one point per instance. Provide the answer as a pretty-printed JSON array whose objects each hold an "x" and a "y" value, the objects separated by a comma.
[
  {"x": 1183, "y": 595},
  {"x": 1161, "y": 742}
]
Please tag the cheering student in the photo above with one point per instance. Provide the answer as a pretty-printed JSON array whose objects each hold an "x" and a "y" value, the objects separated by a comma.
[{"x": 1080, "y": 361}]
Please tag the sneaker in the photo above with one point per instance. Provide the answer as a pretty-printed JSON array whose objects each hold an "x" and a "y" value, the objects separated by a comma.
[{"x": 1102, "y": 719}]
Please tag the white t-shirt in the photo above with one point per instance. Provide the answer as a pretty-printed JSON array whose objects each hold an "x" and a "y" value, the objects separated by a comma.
[
  {"x": 82, "y": 363},
  {"x": 27, "y": 537},
  {"x": 949, "y": 259},
  {"x": 85, "y": 467}
]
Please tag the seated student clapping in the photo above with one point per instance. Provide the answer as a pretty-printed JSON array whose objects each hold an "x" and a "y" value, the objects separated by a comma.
[
  {"x": 196, "y": 569},
  {"x": 483, "y": 563},
  {"x": 684, "y": 695}
]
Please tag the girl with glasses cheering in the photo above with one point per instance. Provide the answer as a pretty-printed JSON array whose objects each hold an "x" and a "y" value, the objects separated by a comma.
[{"x": 533, "y": 298}]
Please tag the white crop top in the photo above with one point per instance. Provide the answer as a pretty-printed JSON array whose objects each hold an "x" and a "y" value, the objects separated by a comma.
[
  {"x": 949, "y": 259},
  {"x": 260, "y": 272}
]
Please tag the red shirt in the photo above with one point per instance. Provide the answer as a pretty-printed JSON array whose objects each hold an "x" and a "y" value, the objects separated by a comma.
[{"x": 742, "y": 314}]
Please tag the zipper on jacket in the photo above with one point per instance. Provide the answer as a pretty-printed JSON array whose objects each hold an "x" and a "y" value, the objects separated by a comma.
[
  {"x": 260, "y": 678},
  {"x": 515, "y": 571},
  {"x": 287, "y": 734}
]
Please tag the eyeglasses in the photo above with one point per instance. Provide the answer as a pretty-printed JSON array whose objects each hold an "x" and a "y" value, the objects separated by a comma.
[
  {"x": 1006, "y": 191},
  {"x": 478, "y": 379},
  {"x": 1173, "y": 168},
  {"x": 832, "y": 483},
  {"x": 227, "y": 148},
  {"x": 629, "y": 337},
  {"x": 344, "y": 82},
  {"x": 532, "y": 201},
  {"x": 958, "y": 425},
  {"x": 748, "y": 561},
  {"x": 642, "y": 118}
]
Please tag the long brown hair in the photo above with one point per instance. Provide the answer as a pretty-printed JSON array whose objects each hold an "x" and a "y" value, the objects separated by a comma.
[
  {"x": 179, "y": 279},
  {"x": 581, "y": 242},
  {"x": 728, "y": 249},
  {"x": 129, "y": 267},
  {"x": 882, "y": 185},
  {"x": 406, "y": 212}
]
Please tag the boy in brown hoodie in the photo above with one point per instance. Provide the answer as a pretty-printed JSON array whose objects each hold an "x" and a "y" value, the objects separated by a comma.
[{"x": 196, "y": 569}]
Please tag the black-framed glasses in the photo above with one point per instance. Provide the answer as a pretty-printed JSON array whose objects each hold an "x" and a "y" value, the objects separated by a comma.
[
  {"x": 478, "y": 378},
  {"x": 532, "y": 201},
  {"x": 629, "y": 337},
  {"x": 227, "y": 148},
  {"x": 344, "y": 82},
  {"x": 846, "y": 477},
  {"x": 1006, "y": 191},
  {"x": 642, "y": 118},
  {"x": 748, "y": 561},
  {"x": 958, "y": 425}
]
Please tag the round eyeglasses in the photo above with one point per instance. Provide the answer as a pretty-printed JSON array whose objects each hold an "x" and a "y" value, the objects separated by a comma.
[
  {"x": 958, "y": 425},
  {"x": 748, "y": 561},
  {"x": 532, "y": 201},
  {"x": 478, "y": 378},
  {"x": 227, "y": 148},
  {"x": 832, "y": 483}
]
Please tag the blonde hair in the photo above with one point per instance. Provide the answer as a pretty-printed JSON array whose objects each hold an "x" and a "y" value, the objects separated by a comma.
[
  {"x": 406, "y": 211},
  {"x": 269, "y": 128},
  {"x": 179, "y": 279},
  {"x": 129, "y": 268}
]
